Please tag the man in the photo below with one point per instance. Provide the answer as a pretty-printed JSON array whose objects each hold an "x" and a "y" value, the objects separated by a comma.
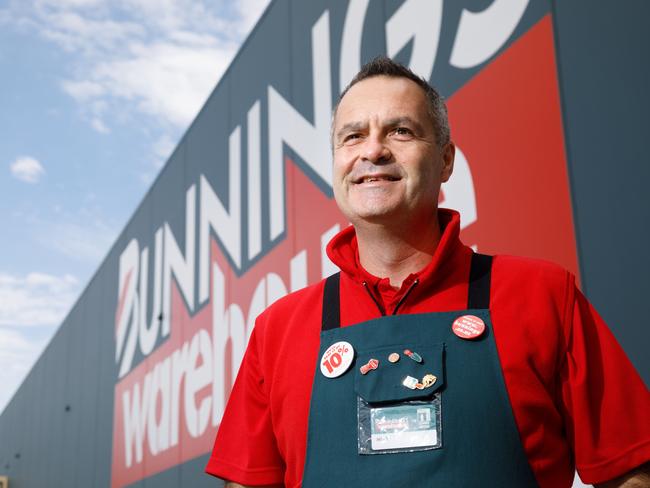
[{"x": 422, "y": 363}]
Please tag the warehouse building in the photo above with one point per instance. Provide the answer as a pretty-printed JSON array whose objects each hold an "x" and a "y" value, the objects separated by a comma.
[{"x": 548, "y": 106}]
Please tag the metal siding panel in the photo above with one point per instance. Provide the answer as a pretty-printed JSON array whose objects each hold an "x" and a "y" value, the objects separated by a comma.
[
  {"x": 263, "y": 61},
  {"x": 29, "y": 420},
  {"x": 71, "y": 396},
  {"x": 89, "y": 353},
  {"x": 177, "y": 184},
  {"x": 139, "y": 228},
  {"x": 606, "y": 103},
  {"x": 207, "y": 145},
  {"x": 54, "y": 402},
  {"x": 15, "y": 442},
  {"x": 18, "y": 430},
  {"x": 106, "y": 370},
  {"x": 193, "y": 474},
  {"x": 167, "y": 479},
  {"x": 40, "y": 449}
]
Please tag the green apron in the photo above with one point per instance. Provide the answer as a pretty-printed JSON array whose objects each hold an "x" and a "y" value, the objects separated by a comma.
[{"x": 476, "y": 439}]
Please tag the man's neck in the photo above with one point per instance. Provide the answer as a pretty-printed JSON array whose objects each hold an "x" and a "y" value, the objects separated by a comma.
[{"x": 395, "y": 253}]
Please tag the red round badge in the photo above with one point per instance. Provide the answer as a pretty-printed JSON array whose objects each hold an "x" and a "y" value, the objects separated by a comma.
[{"x": 468, "y": 327}]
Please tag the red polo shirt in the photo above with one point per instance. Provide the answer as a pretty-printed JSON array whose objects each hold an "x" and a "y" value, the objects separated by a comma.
[{"x": 575, "y": 395}]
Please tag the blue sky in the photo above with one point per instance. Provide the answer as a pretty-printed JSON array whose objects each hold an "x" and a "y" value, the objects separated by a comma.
[{"x": 94, "y": 95}]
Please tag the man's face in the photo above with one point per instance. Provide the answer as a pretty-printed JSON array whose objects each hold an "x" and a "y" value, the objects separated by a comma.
[{"x": 387, "y": 164}]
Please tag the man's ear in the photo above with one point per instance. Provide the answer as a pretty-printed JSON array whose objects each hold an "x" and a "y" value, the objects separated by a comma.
[{"x": 448, "y": 155}]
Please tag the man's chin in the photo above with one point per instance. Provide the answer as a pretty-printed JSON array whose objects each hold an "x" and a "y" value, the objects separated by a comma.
[{"x": 384, "y": 217}]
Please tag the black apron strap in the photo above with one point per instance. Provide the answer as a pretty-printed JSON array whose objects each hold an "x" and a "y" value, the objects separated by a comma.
[
  {"x": 332, "y": 303},
  {"x": 478, "y": 296}
]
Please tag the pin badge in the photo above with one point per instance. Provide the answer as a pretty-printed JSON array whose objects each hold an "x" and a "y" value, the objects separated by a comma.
[
  {"x": 429, "y": 380},
  {"x": 468, "y": 327},
  {"x": 393, "y": 357},
  {"x": 369, "y": 366},
  {"x": 413, "y": 355},
  {"x": 336, "y": 359},
  {"x": 410, "y": 382}
]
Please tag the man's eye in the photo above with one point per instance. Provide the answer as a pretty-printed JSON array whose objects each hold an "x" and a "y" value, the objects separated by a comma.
[
  {"x": 351, "y": 137},
  {"x": 402, "y": 131}
]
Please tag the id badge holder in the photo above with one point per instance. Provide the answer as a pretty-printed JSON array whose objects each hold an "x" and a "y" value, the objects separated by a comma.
[{"x": 399, "y": 405}]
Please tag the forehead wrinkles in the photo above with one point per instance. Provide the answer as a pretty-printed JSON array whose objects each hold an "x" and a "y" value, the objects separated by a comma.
[{"x": 381, "y": 99}]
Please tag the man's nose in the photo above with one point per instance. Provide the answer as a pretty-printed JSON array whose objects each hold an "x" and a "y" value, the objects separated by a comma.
[{"x": 375, "y": 150}]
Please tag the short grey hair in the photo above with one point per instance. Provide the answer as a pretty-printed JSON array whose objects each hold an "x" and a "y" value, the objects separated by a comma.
[{"x": 436, "y": 107}]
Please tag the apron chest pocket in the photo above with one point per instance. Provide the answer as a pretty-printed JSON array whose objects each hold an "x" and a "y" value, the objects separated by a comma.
[
  {"x": 417, "y": 374},
  {"x": 398, "y": 398}
]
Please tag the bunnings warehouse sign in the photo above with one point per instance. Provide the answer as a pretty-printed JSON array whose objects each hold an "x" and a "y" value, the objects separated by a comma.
[{"x": 242, "y": 212}]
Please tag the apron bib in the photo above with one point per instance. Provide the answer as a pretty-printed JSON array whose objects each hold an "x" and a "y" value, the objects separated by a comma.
[{"x": 366, "y": 428}]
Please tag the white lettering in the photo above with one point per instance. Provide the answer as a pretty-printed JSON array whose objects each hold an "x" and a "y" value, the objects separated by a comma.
[
  {"x": 153, "y": 414},
  {"x": 134, "y": 421},
  {"x": 298, "y": 271},
  {"x": 350, "y": 62},
  {"x": 182, "y": 267},
  {"x": 158, "y": 430},
  {"x": 179, "y": 364},
  {"x": 214, "y": 216},
  {"x": 127, "y": 307},
  {"x": 254, "y": 181},
  {"x": 219, "y": 339},
  {"x": 148, "y": 333},
  {"x": 459, "y": 191},
  {"x": 286, "y": 125},
  {"x": 327, "y": 267},
  {"x": 481, "y": 34},
  {"x": 419, "y": 20}
]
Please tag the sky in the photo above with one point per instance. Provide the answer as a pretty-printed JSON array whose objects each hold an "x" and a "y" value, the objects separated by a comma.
[{"x": 94, "y": 96}]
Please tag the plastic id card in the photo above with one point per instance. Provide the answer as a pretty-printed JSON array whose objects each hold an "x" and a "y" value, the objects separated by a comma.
[{"x": 401, "y": 427}]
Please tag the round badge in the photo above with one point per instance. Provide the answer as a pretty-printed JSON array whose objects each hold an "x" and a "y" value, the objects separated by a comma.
[
  {"x": 393, "y": 357},
  {"x": 336, "y": 359},
  {"x": 468, "y": 327}
]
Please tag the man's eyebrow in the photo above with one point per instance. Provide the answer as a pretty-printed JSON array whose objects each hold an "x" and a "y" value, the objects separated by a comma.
[
  {"x": 394, "y": 122},
  {"x": 404, "y": 120}
]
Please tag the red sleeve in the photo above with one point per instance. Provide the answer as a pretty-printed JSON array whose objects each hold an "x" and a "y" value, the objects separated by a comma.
[
  {"x": 245, "y": 449},
  {"x": 607, "y": 403}
]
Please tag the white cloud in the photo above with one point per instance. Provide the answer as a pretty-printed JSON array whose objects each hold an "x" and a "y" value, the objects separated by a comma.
[
  {"x": 99, "y": 126},
  {"x": 79, "y": 32},
  {"x": 69, "y": 3},
  {"x": 154, "y": 61},
  {"x": 166, "y": 81},
  {"x": 159, "y": 57},
  {"x": 84, "y": 90},
  {"x": 36, "y": 299},
  {"x": 27, "y": 169}
]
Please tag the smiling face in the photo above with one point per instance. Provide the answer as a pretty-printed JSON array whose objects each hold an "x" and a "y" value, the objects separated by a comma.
[{"x": 387, "y": 164}]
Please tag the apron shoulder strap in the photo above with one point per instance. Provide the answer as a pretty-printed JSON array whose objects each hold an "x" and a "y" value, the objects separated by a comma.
[
  {"x": 478, "y": 296},
  {"x": 331, "y": 302}
]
